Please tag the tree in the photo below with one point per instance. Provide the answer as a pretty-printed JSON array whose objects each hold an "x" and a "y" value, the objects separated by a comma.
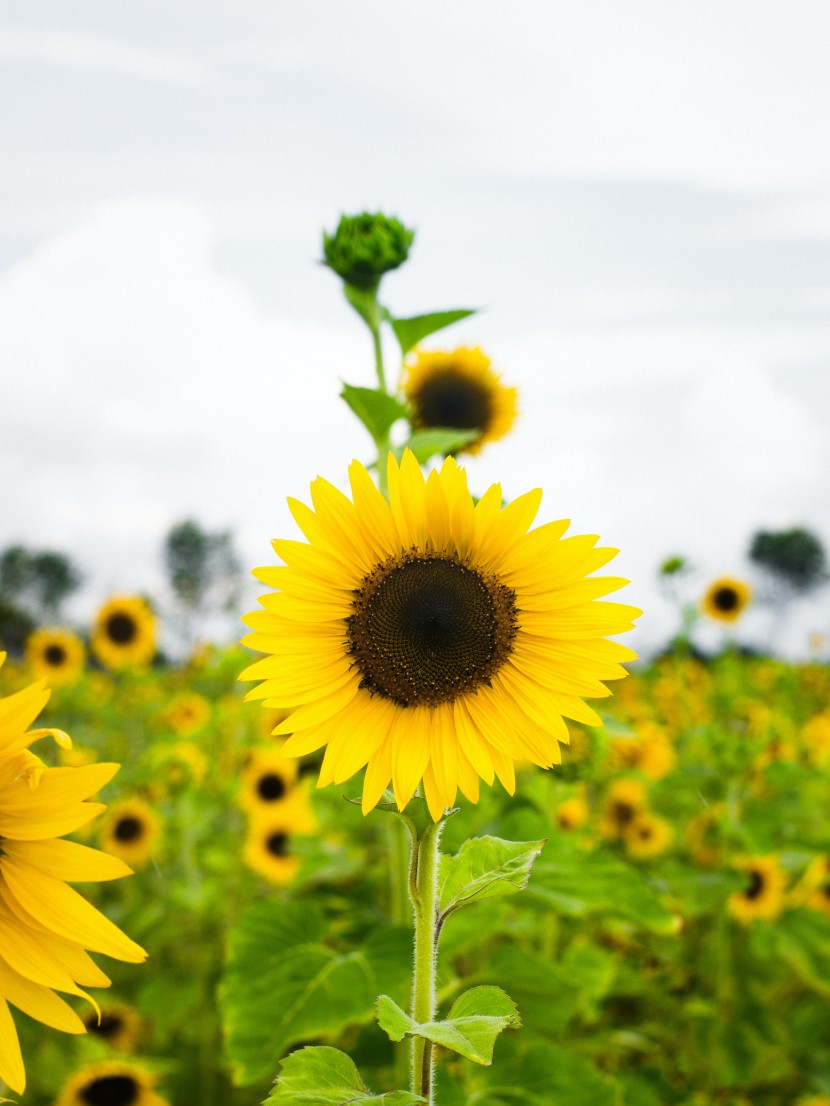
[
  {"x": 203, "y": 572},
  {"x": 33, "y": 588},
  {"x": 795, "y": 559}
]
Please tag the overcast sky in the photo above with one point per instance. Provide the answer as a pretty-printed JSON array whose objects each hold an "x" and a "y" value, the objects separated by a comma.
[{"x": 637, "y": 194}]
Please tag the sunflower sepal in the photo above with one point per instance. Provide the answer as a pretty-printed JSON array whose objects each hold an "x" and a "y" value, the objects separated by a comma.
[
  {"x": 484, "y": 868},
  {"x": 437, "y": 441},
  {"x": 476, "y": 1019},
  {"x": 411, "y": 331},
  {"x": 415, "y": 815},
  {"x": 331, "y": 1077},
  {"x": 377, "y": 410}
]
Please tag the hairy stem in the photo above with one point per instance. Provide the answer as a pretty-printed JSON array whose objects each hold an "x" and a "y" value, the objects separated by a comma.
[{"x": 423, "y": 873}]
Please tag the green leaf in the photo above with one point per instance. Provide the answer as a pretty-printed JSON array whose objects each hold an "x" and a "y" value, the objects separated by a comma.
[
  {"x": 375, "y": 409},
  {"x": 484, "y": 868},
  {"x": 549, "y": 1074},
  {"x": 427, "y": 443},
  {"x": 283, "y": 985},
  {"x": 409, "y": 332},
  {"x": 803, "y": 941},
  {"x": 475, "y": 1020},
  {"x": 321, "y": 1076}
]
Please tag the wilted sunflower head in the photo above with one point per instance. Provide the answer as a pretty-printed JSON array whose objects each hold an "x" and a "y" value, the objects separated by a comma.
[
  {"x": 762, "y": 895},
  {"x": 124, "y": 634},
  {"x": 130, "y": 830},
  {"x": 726, "y": 599},
  {"x": 431, "y": 638},
  {"x": 56, "y": 655},
  {"x": 459, "y": 391},
  {"x": 110, "y": 1083}
]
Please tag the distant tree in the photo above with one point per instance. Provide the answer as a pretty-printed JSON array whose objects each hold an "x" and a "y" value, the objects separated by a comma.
[
  {"x": 15, "y": 627},
  {"x": 794, "y": 559},
  {"x": 203, "y": 572},
  {"x": 37, "y": 582}
]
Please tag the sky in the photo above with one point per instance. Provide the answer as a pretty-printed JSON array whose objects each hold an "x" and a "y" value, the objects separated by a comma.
[{"x": 636, "y": 196}]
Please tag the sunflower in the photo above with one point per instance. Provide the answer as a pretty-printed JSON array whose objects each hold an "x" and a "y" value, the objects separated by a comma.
[
  {"x": 726, "y": 599},
  {"x": 55, "y": 655},
  {"x": 763, "y": 893},
  {"x": 45, "y": 926},
  {"x": 110, "y": 1083},
  {"x": 269, "y": 848},
  {"x": 431, "y": 638},
  {"x": 572, "y": 813},
  {"x": 624, "y": 801},
  {"x": 814, "y": 888},
  {"x": 647, "y": 836},
  {"x": 267, "y": 780},
  {"x": 119, "y": 1025},
  {"x": 130, "y": 831},
  {"x": 187, "y": 714},
  {"x": 124, "y": 634},
  {"x": 459, "y": 391}
]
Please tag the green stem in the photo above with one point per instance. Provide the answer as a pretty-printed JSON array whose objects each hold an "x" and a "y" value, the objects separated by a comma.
[
  {"x": 423, "y": 873},
  {"x": 383, "y": 442}
]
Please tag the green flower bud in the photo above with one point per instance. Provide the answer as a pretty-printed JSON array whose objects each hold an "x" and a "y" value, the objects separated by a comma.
[
  {"x": 364, "y": 247},
  {"x": 673, "y": 566}
]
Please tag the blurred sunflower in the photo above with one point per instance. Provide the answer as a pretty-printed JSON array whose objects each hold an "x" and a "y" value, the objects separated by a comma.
[
  {"x": 269, "y": 848},
  {"x": 187, "y": 714},
  {"x": 430, "y": 637},
  {"x": 647, "y": 836},
  {"x": 459, "y": 391},
  {"x": 624, "y": 800},
  {"x": 267, "y": 780},
  {"x": 762, "y": 895},
  {"x": 119, "y": 1025},
  {"x": 55, "y": 655},
  {"x": 726, "y": 599},
  {"x": 703, "y": 836},
  {"x": 814, "y": 889},
  {"x": 45, "y": 926},
  {"x": 572, "y": 813},
  {"x": 130, "y": 830},
  {"x": 110, "y": 1083},
  {"x": 181, "y": 762},
  {"x": 124, "y": 634}
]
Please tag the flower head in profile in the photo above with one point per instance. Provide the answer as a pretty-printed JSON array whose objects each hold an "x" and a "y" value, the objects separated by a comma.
[
  {"x": 726, "y": 599},
  {"x": 46, "y": 927},
  {"x": 110, "y": 1083},
  {"x": 459, "y": 391},
  {"x": 56, "y": 655},
  {"x": 432, "y": 639},
  {"x": 124, "y": 634}
]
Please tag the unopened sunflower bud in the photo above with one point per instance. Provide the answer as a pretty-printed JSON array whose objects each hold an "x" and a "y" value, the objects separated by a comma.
[{"x": 366, "y": 246}]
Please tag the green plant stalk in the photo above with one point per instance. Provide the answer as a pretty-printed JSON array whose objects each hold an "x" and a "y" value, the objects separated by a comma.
[
  {"x": 423, "y": 879},
  {"x": 382, "y": 443}
]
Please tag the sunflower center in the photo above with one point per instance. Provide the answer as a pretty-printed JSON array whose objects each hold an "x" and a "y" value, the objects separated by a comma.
[
  {"x": 128, "y": 828},
  {"x": 121, "y": 629},
  {"x": 277, "y": 844},
  {"x": 426, "y": 629},
  {"x": 111, "y": 1090},
  {"x": 725, "y": 599},
  {"x": 54, "y": 655},
  {"x": 109, "y": 1026},
  {"x": 622, "y": 813},
  {"x": 271, "y": 787},
  {"x": 452, "y": 399},
  {"x": 755, "y": 885}
]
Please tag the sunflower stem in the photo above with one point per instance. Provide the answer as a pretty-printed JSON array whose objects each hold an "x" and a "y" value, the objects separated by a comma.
[{"x": 423, "y": 877}]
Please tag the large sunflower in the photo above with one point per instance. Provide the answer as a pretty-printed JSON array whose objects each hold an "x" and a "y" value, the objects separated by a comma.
[
  {"x": 459, "y": 391},
  {"x": 726, "y": 599},
  {"x": 432, "y": 638},
  {"x": 110, "y": 1083},
  {"x": 55, "y": 655},
  {"x": 45, "y": 926},
  {"x": 124, "y": 634}
]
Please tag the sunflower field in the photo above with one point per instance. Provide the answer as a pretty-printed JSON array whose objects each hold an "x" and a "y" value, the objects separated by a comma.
[{"x": 403, "y": 860}]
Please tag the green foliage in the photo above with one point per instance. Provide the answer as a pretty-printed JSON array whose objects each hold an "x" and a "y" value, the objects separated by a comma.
[
  {"x": 802, "y": 940},
  {"x": 475, "y": 1020},
  {"x": 284, "y": 984},
  {"x": 37, "y": 582},
  {"x": 411, "y": 331},
  {"x": 484, "y": 868},
  {"x": 549, "y": 1075},
  {"x": 365, "y": 246},
  {"x": 426, "y": 444},
  {"x": 377, "y": 410},
  {"x": 202, "y": 567},
  {"x": 323, "y": 1076},
  {"x": 795, "y": 558}
]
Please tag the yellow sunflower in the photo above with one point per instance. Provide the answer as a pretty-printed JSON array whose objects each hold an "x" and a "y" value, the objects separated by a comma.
[
  {"x": 124, "y": 634},
  {"x": 572, "y": 813},
  {"x": 267, "y": 780},
  {"x": 118, "y": 1025},
  {"x": 130, "y": 830},
  {"x": 55, "y": 655},
  {"x": 269, "y": 846},
  {"x": 431, "y": 638},
  {"x": 187, "y": 714},
  {"x": 763, "y": 893},
  {"x": 459, "y": 391},
  {"x": 110, "y": 1083},
  {"x": 726, "y": 599},
  {"x": 647, "y": 836},
  {"x": 624, "y": 801},
  {"x": 46, "y": 927}
]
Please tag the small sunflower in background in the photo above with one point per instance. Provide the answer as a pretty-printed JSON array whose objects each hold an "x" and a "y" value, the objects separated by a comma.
[
  {"x": 110, "y": 1083},
  {"x": 813, "y": 890},
  {"x": 762, "y": 895},
  {"x": 703, "y": 836},
  {"x": 124, "y": 634},
  {"x": 624, "y": 801},
  {"x": 726, "y": 599},
  {"x": 187, "y": 714},
  {"x": 120, "y": 1025},
  {"x": 459, "y": 391},
  {"x": 647, "y": 836},
  {"x": 130, "y": 831},
  {"x": 56, "y": 655},
  {"x": 269, "y": 846},
  {"x": 180, "y": 763},
  {"x": 572, "y": 813},
  {"x": 268, "y": 779}
]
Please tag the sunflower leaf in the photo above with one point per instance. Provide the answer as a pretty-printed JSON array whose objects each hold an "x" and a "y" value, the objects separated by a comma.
[
  {"x": 322, "y": 1076},
  {"x": 484, "y": 868},
  {"x": 376, "y": 410},
  {"x": 409, "y": 332},
  {"x": 444, "y": 440},
  {"x": 475, "y": 1020},
  {"x": 282, "y": 984}
]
